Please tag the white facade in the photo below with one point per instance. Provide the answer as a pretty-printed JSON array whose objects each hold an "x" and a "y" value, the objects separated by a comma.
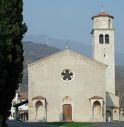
[
  {"x": 84, "y": 85},
  {"x": 68, "y": 86}
]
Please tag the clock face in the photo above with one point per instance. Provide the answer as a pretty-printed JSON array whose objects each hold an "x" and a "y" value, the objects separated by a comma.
[{"x": 67, "y": 75}]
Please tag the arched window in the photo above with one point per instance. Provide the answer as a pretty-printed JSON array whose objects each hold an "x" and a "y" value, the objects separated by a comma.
[
  {"x": 101, "y": 39},
  {"x": 106, "y": 39},
  {"x": 39, "y": 110},
  {"x": 96, "y": 110},
  {"x": 67, "y": 98}
]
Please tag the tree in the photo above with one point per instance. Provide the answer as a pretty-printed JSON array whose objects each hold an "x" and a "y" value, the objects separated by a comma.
[{"x": 12, "y": 29}]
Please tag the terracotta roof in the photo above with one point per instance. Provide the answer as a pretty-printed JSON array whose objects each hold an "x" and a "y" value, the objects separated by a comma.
[
  {"x": 102, "y": 14},
  {"x": 23, "y": 95},
  {"x": 38, "y": 97},
  {"x": 96, "y": 97}
]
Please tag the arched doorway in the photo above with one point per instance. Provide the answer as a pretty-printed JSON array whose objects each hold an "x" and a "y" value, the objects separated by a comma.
[
  {"x": 39, "y": 111},
  {"x": 97, "y": 110},
  {"x": 67, "y": 112},
  {"x": 108, "y": 116}
]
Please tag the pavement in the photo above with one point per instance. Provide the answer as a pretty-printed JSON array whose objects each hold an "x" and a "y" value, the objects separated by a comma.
[
  {"x": 13, "y": 123},
  {"x": 109, "y": 124}
]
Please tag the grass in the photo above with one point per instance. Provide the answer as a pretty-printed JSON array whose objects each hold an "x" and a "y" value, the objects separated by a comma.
[{"x": 71, "y": 124}]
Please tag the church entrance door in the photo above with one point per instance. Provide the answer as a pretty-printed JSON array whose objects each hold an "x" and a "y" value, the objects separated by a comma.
[{"x": 67, "y": 112}]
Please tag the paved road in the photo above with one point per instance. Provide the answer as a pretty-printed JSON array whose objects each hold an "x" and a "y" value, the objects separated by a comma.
[
  {"x": 113, "y": 124},
  {"x": 21, "y": 124}
]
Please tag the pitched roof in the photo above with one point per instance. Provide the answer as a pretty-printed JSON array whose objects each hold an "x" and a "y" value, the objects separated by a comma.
[
  {"x": 38, "y": 98},
  {"x": 102, "y": 14},
  {"x": 96, "y": 97},
  {"x": 72, "y": 53}
]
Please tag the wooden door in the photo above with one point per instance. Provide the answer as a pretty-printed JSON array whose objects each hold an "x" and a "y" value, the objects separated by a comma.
[{"x": 67, "y": 112}]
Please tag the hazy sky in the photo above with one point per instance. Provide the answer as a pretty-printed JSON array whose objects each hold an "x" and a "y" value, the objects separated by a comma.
[{"x": 71, "y": 19}]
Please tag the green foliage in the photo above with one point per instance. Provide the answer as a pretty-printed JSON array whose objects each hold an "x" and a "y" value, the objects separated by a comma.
[
  {"x": 12, "y": 30},
  {"x": 71, "y": 124}
]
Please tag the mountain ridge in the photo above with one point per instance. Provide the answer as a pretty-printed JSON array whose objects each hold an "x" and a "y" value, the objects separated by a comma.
[{"x": 84, "y": 48}]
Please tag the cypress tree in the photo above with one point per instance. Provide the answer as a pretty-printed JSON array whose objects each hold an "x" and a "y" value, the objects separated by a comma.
[{"x": 12, "y": 29}]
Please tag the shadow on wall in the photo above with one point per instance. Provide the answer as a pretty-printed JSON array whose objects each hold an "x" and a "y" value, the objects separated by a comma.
[
  {"x": 109, "y": 107},
  {"x": 108, "y": 115},
  {"x": 109, "y": 101}
]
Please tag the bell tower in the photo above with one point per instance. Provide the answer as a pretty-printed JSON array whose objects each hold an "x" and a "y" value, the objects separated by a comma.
[{"x": 103, "y": 46}]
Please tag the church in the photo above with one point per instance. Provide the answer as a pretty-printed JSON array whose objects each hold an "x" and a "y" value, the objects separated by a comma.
[{"x": 69, "y": 86}]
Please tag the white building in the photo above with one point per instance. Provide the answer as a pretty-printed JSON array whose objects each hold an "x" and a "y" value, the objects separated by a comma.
[
  {"x": 14, "y": 101},
  {"x": 22, "y": 109},
  {"x": 68, "y": 86}
]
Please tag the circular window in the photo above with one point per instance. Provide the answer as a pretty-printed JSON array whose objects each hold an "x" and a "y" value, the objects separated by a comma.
[{"x": 67, "y": 74}]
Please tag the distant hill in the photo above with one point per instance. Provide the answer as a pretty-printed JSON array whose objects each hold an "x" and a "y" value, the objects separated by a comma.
[
  {"x": 36, "y": 51},
  {"x": 120, "y": 83},
  {"x": 85, "y": 48},
  {"x": 61, "y": 44}
]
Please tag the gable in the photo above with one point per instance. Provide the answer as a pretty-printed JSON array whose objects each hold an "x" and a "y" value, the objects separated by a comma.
[{"x": 64, "y": 53}]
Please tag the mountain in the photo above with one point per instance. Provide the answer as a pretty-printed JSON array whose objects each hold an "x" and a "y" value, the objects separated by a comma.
[
  {"x": 81, "y": 47},
  {"x": 61, "y": 44},
  {"x": 119, "y": 74},
  {"x": 34, "y": 52}
]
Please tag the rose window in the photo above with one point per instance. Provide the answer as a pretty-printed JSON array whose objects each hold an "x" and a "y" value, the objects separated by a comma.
[{"x": 67, "y": 74}]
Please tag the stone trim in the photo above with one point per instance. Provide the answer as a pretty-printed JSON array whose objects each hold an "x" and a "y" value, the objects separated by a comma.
[
  {"x": 38, "y": 98},
  {"x": 96, "y": 97},
  {"x": 64, "y": 52},
  {"x": 101, "y": 29}
]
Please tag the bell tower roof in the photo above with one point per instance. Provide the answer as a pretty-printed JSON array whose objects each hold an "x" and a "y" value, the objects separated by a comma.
[{"x": 102, "y": 14}]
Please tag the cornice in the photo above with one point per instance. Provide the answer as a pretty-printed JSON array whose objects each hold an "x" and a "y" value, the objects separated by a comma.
[
  {"x": 65, "y": 52},
  {"x": 101, "y": 29}
]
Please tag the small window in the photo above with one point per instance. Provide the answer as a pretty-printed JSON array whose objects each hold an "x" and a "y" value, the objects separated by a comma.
[
  {"x": 101, "y": 40},
  {"x": 107, "y": 39},
  {"x": 109, "y": 23}
]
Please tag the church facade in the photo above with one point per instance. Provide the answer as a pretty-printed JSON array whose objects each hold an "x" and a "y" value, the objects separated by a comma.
[{"x": 68, "y": 86}]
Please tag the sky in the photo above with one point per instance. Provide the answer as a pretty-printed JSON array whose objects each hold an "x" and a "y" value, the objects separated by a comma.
[{"x": 71, "y": 19}]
